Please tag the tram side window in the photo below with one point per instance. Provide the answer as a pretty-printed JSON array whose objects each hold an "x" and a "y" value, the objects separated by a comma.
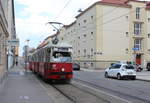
[{"x": 47, "y": 54}]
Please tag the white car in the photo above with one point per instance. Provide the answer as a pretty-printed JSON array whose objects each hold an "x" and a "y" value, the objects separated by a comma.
[{"x": 121, "y": 70}]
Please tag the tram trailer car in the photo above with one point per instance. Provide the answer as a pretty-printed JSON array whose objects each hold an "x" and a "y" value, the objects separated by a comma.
[{"x": 53, "y": 62}]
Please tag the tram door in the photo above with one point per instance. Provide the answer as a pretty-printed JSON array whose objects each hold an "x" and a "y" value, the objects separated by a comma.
[{"x": 138, "y": 59}]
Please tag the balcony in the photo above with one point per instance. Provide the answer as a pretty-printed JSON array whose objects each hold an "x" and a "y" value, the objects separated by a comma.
[
  {"x": 140, "y": 51},
  {"x": 138, "y": 36}
]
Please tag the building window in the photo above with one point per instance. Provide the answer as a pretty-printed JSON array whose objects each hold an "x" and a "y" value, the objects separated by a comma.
[
  {"x": 91, "y": 49},
  {"x": 84, "y": 64},
  {"x": 84, "y": 52},
  {"x": 78, "y": 37},
  {"x": 137, "y": 28},
  {"x": 78, "y": 52},
  {"x": 137, "y": 44},
  {"x": 92, "y": 64},
  {"x": 91, "y": 33},
  {"x": 84, "y": 35},
  {"x": 148, "y": 19},
  {"x": 138, "y": 13},
  {"x": 148, "y": 35},
  {"x": 84, "y": 21},
  {"x": 92, "y": 52},
  {"x": 91, "y": 17},
  {"x": 127, "y": 34}
]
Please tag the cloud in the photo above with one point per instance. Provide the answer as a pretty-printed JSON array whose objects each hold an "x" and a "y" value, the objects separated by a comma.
[{"x": 32, "y": 15}]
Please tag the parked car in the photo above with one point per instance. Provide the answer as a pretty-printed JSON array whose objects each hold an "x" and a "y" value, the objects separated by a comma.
[
  {"x": 76, "y": 66},
  {"x": 148, "y": 66},
  {"x": 121, "y": 70}
]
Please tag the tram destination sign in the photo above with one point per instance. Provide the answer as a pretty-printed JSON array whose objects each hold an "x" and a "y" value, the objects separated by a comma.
[{"x": 62, "y": 49}]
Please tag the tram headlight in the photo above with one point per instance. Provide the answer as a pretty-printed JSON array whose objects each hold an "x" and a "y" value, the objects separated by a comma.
[{"x": 62, "y": 69}]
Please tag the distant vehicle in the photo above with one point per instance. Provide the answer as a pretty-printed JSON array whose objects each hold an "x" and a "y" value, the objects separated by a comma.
[
  {"x": 121, "y": 70},
  {"x": 148, "y": 66},
  {"x": 75, "y": 66}
]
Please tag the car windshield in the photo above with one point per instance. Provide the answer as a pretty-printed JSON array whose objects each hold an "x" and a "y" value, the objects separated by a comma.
[{"x": 129, "y": 67}]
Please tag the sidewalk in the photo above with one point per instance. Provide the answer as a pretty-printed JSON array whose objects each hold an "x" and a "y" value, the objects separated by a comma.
[
  {"x": 22, "y": 88},
  {"x": 144, "y": 75}
]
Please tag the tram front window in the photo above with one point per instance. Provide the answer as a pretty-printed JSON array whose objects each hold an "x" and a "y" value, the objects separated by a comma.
[{"x": 61, "y": 57}]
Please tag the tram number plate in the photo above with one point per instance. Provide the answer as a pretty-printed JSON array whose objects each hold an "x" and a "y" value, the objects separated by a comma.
[{"x": 62, "y": 76}]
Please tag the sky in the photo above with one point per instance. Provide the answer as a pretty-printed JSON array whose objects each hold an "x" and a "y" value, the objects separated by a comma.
[{"x": 31, "y": 17}]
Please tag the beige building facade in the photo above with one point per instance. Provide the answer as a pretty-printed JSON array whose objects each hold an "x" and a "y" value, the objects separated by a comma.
[
  {"x": 7, "y": 30},
  {"x": 3, "y": 36},
  {"x": 110, "y": 31}
]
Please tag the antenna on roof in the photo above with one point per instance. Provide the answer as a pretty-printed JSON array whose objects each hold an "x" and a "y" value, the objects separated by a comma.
[{"x": 80, "y": 10}]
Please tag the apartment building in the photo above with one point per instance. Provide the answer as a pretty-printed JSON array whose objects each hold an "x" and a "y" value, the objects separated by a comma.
[
  {"x": 109, "y": 31},
  {"x": 7, "y": 32}
]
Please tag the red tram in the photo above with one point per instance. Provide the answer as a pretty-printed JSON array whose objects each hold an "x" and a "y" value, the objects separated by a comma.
[{"x": 52, "y": 62}]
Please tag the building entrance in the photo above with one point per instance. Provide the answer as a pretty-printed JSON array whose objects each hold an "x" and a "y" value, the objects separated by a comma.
[{"x": 138, "y": 59}]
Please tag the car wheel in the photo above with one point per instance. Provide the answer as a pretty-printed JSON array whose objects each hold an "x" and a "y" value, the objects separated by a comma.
[
  {"x": 118, "y": 76},
  {"x": 133, "y": 78},
  {"x": 106, "y": 75}
]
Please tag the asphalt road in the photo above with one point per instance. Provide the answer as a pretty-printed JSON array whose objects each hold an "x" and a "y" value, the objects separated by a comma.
[{"x": 131, "y": 90}]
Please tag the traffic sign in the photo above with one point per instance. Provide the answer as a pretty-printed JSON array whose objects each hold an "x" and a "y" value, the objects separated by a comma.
[{"x": 135, "y": 49}]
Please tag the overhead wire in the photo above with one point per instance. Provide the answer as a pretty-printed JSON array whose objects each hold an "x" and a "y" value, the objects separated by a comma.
[{"x": 62, "y": 9}]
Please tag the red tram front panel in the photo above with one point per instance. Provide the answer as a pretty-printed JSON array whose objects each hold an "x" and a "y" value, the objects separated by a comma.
[{"x": 58, "y": 71}]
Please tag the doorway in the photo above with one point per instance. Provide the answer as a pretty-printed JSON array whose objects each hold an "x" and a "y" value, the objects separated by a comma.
[{"x": 138, "y": 59}]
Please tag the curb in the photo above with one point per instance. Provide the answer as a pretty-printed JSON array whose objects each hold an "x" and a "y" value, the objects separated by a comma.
[
  {"x": 90, "y": 70},
  {"x": 142, "y": 80}
]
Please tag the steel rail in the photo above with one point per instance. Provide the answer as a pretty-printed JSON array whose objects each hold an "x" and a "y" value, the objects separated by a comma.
[
  {"x": 113, "y": 91},
  {"x": 72, "y": 98}
]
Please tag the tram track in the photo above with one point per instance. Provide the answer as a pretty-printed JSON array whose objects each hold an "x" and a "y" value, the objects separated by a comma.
[
  {"x": 73, "y": 93},
  {"x": 129, "y": 97},
  {"x": 64, "y": 94},
  {"x": 79, "y": 95}
]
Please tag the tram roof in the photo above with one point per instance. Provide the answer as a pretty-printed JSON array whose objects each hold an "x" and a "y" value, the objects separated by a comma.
[{"x": 59, "y": 45}]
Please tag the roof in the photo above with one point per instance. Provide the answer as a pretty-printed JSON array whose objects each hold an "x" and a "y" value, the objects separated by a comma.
[
  {"x": 117, "y": 2},
  {"x": 108, "y": 2},
  {"x": 62, "y": 44},
  {"x": 67, "y": 26},
  {"x": 122, "y": 3}
]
